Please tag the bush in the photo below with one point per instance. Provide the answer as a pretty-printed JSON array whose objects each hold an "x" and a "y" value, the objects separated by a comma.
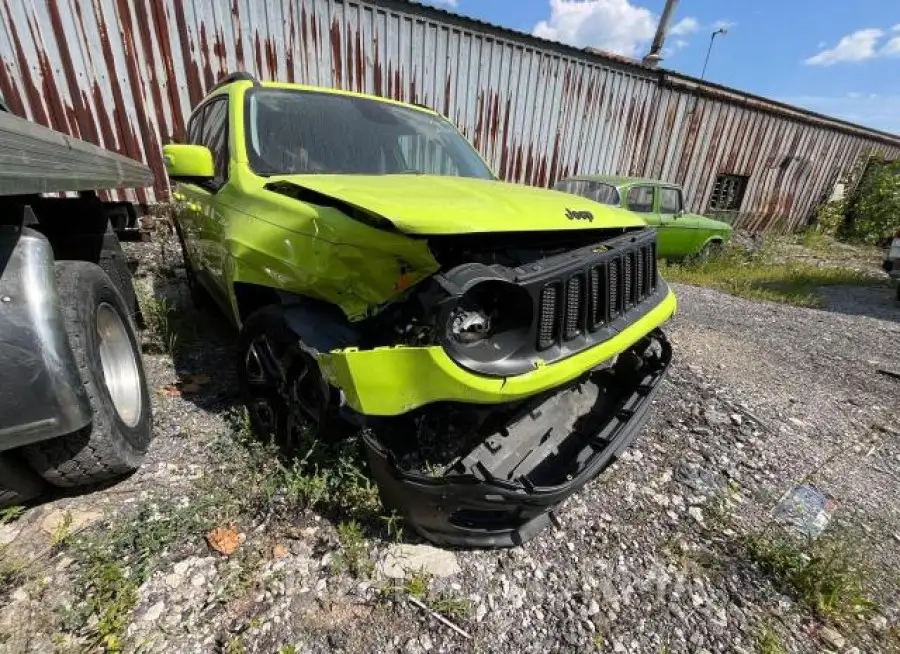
[{"x": 873, "y": 210}]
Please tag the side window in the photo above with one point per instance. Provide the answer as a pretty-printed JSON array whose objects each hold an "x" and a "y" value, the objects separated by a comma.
[
  {"x": 640, "y": 199},
  {"x": 602, "y": 193},
  {"x": 195, "y": 125},
  {"x": 669, "y": 200},
  {"x": 215, "y": 136}
]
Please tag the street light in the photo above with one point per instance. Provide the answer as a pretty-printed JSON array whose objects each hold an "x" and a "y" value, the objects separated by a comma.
[{"x": 723, "y": 31}]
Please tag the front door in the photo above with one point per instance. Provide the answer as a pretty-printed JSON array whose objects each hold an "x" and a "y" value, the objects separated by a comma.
[{"x": 678, "y": 232}]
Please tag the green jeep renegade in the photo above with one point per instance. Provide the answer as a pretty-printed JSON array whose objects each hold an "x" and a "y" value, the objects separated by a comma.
[{"x": 386, "y": 283}]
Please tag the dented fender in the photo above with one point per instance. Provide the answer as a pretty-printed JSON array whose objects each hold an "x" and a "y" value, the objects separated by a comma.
[
  {"x": 323, "y": 254},
  {"x": 389, "y": 381}
]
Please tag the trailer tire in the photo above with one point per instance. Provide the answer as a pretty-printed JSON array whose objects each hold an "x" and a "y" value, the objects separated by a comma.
[
  {"x": 113, "y": 262},
  {"x": 18, "y": 483},
  {"x": 111, "y": 370}
]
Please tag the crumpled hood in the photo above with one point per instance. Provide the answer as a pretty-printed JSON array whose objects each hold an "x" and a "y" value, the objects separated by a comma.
[{"x": 432, "y": 204}]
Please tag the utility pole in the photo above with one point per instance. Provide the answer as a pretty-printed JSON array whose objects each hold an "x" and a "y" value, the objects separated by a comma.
[
  {"x": 654, "y": 57},
  {"x": 723, "y": 31}
]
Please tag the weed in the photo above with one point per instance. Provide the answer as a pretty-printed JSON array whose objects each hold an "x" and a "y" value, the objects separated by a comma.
[
  {"x": 235, "y": 645},
  {"x": 768, "y": 642},
  {"x": 418, "y": 585},
  {"x": 287, "y": 649},
  {"x": 759, "y": 275},
  {"x": 394, "y": 525},
  {"x": 452, "y": 607},
  {"x": 162, "y": 324},
  {"x": 62, "y": 531},
  {"x": 825, "y": 575},
  {"x": 353, "y": 555},
  {"x": 116, "y": 562},
  {"x": 11, "y": 567}
]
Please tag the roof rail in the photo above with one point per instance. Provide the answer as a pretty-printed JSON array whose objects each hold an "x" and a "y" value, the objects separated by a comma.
[{"x": 239, "y": 76}]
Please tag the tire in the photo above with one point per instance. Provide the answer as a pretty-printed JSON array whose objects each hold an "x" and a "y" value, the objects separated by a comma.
[
  {"x": 113, "y": 262},
  {"x": 17, "y": 483},
  {"x": 119, "y": 436},
  {"x": 288, "y": 400},
  {"x": 709, "y": 251},
  {"x": 199, "y": 295}
]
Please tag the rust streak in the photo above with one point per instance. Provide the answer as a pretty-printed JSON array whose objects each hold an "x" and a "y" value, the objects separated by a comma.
[
  {"x": 336, "y": 62},
  {"x": 78, "y": 115},
  {"x": 160, "y": 23},
  {"x": 31, "y": 91},
  {"x": 195, "y": 92}
]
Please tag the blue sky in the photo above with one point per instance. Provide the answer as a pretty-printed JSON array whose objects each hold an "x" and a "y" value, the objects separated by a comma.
[{"x": 836, "y": 57}]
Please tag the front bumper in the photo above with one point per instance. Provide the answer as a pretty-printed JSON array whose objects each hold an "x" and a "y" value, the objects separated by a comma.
[
  {"x": 390, "y": 381},
  {"x": 504, "y": 491}
]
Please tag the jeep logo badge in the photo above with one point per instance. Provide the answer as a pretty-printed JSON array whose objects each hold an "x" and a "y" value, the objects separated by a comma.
[{"x": 579, "y": 215}]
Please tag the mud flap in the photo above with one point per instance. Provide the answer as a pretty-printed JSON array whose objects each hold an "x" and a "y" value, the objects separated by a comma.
[{"x": 504, "y": 490}]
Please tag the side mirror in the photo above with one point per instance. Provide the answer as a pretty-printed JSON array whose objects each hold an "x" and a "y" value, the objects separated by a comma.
[{"x": 188, "y": 161}]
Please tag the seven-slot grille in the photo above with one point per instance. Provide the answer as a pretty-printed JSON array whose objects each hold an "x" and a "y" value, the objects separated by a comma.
[{"x": 593, "y": 298}]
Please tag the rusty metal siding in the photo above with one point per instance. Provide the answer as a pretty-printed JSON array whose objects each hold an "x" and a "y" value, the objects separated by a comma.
[{"x": 124, "y": 75}]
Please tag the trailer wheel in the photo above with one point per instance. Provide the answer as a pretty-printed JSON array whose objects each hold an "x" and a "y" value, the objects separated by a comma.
[
  {"x": 17, "y": 483},
  {"x": 109, "y": 361}
]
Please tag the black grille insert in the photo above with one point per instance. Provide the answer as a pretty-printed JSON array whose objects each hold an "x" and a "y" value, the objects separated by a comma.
[{"x": 593, "y": 299}]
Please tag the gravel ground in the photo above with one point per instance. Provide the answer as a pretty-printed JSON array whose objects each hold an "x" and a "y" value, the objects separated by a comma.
[{"x": 648, "y": 558}]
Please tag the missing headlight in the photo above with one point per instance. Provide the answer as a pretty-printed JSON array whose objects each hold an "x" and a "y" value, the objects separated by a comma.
[{"x": 469, "y": 325}]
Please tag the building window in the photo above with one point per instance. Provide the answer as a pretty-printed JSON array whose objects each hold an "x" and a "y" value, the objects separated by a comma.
[{"x": 728, "y": 193}]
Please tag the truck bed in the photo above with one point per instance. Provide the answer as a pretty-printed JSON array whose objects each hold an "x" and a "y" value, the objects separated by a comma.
[{"x": 36, "y": 159}]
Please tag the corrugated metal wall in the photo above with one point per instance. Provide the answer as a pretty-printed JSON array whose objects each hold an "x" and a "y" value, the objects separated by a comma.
[{"x": 125, "y": 74}]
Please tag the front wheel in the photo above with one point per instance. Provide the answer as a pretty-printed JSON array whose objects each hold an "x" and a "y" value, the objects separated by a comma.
[{"x": 288, "y": 401}]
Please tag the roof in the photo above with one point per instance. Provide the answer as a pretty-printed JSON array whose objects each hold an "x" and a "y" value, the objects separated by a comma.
[
  {"x": 619, "y": 180},
  {"x": 250, "y": 83},
  {"x": 667, "y": 77}
]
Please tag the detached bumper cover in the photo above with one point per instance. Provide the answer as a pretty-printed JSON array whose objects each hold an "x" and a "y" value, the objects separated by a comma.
[
  {"x": 477, "y": 509},
  {"x": 389, "y": 381}
]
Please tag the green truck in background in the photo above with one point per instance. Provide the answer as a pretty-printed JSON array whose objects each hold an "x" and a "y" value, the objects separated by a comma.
[{"x": 661, "y": 204}]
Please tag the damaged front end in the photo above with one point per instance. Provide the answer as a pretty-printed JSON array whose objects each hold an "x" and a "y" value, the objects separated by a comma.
[
  {"x": 509, "y": 383},
  {"x": 509, "y": 466}
]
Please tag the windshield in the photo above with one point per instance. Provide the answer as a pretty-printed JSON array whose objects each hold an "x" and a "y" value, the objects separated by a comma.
[{"x": 310, "y": 132}]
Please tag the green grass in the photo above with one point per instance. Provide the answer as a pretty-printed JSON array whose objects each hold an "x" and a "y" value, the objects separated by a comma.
[
  {"x": 11, "y": 566},
  {"x": 828, "y": 576},
  {"x": 768, "y": 642},
  {"x": 418, "y": 585},
  {"x": 763, "y": 275}
]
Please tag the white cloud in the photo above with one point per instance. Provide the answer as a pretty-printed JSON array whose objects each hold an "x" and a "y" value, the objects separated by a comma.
[
  {"x": 684, "y": 27},
  {"x": 612, "y": 25},
  {"x": 723, "y": 24},
  {"x": 858, "y": 46},
  {"x": 870, "y": 109},
  {"x": 892, "y": 47},
  {"x": 896, "y": 28},
  {"x": 448, "y": 3}
]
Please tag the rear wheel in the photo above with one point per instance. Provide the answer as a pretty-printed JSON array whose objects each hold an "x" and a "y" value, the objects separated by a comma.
[
  {"x": 109, "y": 362},
  {"x": 288, "y": 401},
  {"x": 709, "y": 251}
]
